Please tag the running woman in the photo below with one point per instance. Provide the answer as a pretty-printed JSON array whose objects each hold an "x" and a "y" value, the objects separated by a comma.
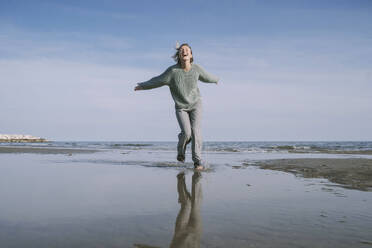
[{"x": 182, "y": 79}]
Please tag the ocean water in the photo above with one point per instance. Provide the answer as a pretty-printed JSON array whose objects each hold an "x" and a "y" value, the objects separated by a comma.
[
  {"x": 135, "y": 194},
  {"x": 213, "y": 153},
  {"x": 223, "y": 146},
  {"x": 313, "y": 147}
]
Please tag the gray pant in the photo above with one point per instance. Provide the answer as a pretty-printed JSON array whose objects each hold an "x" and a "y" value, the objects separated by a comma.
[{"x": 190, "y": 124}]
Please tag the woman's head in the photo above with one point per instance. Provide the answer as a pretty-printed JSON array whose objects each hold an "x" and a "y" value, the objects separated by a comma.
[{"x": 183, "y": 53}]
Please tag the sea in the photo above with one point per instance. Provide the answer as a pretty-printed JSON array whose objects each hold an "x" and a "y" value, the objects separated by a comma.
[
  {"x": 220, "y": 146},
  {"x": 213, "y": 153}
]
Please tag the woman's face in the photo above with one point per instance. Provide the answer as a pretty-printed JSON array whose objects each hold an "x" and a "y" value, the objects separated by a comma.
[{"x": 185, "y": 53}]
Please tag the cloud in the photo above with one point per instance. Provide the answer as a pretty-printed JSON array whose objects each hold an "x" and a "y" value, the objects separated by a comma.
[
  {"x": 92, "y": 13},
  {"x": 80, "y": 86},
  {"x": 73, "y": 46},
  {"x": 62, "y": 99}
]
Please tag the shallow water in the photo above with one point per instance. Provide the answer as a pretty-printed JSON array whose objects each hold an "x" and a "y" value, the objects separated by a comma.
[
  {"x": 358, "y": 147},
  {"x": 129, "y": 198}
]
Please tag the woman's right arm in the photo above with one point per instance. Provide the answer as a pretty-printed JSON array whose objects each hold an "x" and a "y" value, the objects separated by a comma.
[{"x": 155, "y": 82}]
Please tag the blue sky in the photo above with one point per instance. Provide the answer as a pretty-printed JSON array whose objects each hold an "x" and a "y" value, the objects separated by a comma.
[{"x": 289, "y": 70}]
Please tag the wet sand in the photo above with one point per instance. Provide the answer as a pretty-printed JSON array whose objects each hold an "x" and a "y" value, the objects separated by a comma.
[
  {"x": 42, "y": 150},
  {"x": 352, "y": 173}
]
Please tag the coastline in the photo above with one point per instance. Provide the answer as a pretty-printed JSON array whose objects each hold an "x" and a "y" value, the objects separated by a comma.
[
  {"x": 351, "y": 173},
  {"x": 44, "y": 150}
]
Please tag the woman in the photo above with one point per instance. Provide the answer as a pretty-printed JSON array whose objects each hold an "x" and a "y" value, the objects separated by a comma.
[{"x": 182, "y": 80}]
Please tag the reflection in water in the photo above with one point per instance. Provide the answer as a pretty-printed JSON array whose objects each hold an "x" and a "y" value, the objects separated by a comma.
[
  {"x": 188, "y": 227},
  {"x": 144, "y": 246}
]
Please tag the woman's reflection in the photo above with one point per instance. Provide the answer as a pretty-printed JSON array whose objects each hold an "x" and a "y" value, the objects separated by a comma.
[{"x": 188, "y": 227}]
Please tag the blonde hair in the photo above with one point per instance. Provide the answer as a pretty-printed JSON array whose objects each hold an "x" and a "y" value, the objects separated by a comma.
[{"x": 176, "y": 56}]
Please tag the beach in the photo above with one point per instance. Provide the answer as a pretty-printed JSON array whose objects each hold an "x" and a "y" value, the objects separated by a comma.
[
  {"x": 135, "y": 194},
  {"x": 354, "y": 173}
]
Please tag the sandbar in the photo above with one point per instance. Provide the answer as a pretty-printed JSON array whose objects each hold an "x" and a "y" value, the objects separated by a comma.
[{"x": 352, "y": 173}]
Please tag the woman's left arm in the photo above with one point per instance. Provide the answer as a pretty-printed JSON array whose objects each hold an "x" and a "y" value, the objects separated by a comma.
[{"x": 205, "y": 76}]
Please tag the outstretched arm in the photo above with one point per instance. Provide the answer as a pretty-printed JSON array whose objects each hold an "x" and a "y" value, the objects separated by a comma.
[
  {"x": 206, "y": 77},
  {"x": 155, "y": 82}
]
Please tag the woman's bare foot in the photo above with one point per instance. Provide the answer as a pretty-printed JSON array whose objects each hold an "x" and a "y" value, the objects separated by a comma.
[
  {"x": 198, "y": 166},
  {"x": 181, "y": 158}
]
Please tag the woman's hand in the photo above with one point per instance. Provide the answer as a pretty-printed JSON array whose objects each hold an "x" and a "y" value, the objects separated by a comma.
[{"x": 138, "y": 88}]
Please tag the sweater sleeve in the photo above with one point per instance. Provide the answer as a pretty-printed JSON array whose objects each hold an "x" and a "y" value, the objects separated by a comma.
[
  {"x": 206, "y": 77},
  {"x": 158, "y": 81}
]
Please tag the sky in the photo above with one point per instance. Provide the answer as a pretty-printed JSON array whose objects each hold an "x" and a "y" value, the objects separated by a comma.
[{"x": 289, "y": 70}]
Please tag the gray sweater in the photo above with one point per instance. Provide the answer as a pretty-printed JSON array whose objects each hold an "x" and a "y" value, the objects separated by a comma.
[{"x": 182, "y": 84}]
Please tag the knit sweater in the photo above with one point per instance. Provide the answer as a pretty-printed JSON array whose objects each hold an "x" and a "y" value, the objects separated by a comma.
[{"x": 182, "y": 84}]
